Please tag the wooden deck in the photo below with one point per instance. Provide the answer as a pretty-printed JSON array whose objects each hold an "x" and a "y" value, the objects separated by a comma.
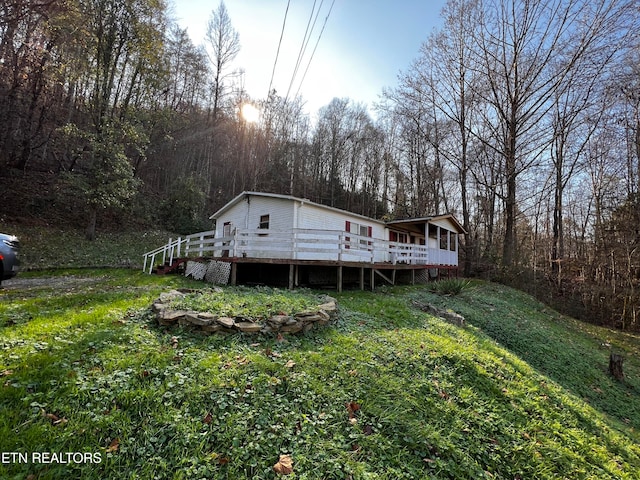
[{"x": 301, "y": 250}]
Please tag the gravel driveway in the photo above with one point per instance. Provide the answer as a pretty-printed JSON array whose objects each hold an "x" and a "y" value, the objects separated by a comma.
[{"x": 62, "y": 282}]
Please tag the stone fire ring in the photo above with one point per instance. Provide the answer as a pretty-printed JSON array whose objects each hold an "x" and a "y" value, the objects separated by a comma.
[{"x": 208, "y": 323}]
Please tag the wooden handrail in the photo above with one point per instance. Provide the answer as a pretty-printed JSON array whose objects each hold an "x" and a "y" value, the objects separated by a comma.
[{"x": 301, "y": 244}]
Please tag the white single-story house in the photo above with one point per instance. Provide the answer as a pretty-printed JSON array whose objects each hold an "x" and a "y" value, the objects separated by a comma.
[{"x": 272, "y": 228}]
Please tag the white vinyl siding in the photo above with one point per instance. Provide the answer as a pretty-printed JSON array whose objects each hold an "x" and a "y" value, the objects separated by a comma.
[
  {"x": 282, "y": 227},
  {"x": 313, "y": 217}
]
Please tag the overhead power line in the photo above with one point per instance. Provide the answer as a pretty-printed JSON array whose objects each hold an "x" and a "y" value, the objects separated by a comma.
[
  {"x": 284, "y": 22},
  {"x": 305, "y": 42},
  {"x": 315, "y": 47}
]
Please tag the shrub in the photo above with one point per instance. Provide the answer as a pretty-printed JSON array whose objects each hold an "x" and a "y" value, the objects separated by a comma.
[{"x": 450, "y": 286}]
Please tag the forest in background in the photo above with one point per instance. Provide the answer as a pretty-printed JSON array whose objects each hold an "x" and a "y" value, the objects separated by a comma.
[{"x": 521, "y": 117}]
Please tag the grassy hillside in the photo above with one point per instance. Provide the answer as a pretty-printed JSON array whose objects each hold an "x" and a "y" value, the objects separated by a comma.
[
  {"x": 50, "y": 247},
  {"x": 386, "y": 392}
]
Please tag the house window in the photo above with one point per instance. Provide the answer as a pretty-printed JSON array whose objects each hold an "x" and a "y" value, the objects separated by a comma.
[
  {"x": 264, "y": 222},
  {"x": 358, "y": 229},
  {"x": 444, "y": 239},
  {"x": 452, "y": 245}
]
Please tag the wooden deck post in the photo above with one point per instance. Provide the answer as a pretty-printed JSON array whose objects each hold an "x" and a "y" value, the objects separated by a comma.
[
  {"x": 372, "y": 279},
  {"x": 234, "y": 273},
  {"x": 361, "y": 278},
  {"x": 291, "y": 276},
  {"x": 339, "y": 279}
]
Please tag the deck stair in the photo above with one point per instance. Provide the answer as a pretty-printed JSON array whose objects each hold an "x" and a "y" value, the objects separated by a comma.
[
  {"x": 175, "y": 266},
  {"x": 172, "y": 256}
]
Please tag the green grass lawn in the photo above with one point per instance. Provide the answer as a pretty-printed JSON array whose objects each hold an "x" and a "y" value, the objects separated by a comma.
[{"x": 385, "y": 392}]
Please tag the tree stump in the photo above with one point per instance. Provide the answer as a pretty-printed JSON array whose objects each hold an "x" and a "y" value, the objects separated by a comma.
[{"x": 615, "y": 365}]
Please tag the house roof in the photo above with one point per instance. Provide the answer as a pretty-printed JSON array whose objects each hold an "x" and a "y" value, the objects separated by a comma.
[
  {"x": 415, "y": 221},
  {"x": 397, "y": 223},
  {"x": 244, "y": 195}
]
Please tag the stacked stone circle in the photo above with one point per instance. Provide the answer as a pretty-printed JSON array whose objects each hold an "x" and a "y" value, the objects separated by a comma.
[{"x": 209, "y": 323}]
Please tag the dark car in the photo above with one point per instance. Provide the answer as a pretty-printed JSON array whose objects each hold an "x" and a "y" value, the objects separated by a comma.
[{"x": 9, "y": 261}]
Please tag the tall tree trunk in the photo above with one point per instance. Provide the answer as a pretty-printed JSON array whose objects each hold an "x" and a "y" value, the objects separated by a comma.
[{"x": 90, "y": 232}]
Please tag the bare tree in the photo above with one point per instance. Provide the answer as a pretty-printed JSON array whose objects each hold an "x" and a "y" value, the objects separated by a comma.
[
  {"x": 526, "y": 49},
  {"x": 444, "y": 71},
  {"x": 224, "y": 43}
]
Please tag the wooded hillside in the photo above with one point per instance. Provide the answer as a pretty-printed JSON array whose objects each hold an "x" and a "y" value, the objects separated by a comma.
[{"x": 521, "y": 117}]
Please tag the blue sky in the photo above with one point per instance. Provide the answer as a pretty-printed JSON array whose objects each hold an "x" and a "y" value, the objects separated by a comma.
[{"x": 364, "y": 46}]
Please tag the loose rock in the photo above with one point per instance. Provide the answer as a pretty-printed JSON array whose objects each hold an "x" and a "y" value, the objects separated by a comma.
[{"x": 208, "y": 323}]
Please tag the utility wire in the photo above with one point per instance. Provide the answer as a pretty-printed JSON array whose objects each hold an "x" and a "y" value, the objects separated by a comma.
[
  {"x": 284, "y": 22},
  {"x": 305, "y": 42},
  {"x": 315, "y": 47}
]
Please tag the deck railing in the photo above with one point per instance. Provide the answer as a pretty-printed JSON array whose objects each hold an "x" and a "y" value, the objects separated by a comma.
[
  {"x": 173, "y": 249},
  {"x": 299, "y": 244}
]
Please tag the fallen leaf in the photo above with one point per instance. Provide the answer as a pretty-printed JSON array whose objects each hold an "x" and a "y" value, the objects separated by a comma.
[
  {"x": 219, "y": 459},
  {"x": 6, "y": 373},
  {"x": 284, "y": 465},
  {"x": 55, "y": 420},
  {"x": 367, "y": 430},
  {"x": 352, "y": 407},
  {"x": 51, "y": 416},
  {"x": 207, "y": 418},
  {"x": 114, "y": 445},
  {"x": 290, "y": 364}
]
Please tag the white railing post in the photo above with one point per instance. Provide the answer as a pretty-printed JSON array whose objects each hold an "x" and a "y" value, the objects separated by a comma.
[
  {"x": 164, "y": 252},
  {"x": 172, "y": 249},
  {"x": 235, "y": 243},
  {"x": 294, "y": 245}
]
